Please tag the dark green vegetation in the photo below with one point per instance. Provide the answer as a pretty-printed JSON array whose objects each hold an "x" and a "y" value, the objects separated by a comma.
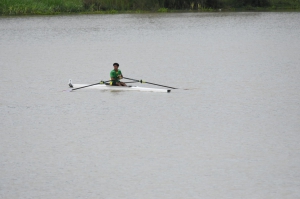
[
  {"x": 11, "y": 7},
  {"x": 17, "y": 7}
]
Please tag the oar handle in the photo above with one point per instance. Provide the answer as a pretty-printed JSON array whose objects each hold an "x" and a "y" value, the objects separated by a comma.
[
  {"x": 129, "y": 82},
  {"x": 132, "y": 79},
  {"x": 141, "y": 81}
]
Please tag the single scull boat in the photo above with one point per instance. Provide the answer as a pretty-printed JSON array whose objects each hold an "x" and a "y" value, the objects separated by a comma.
[{"x": 118, "y": 88}]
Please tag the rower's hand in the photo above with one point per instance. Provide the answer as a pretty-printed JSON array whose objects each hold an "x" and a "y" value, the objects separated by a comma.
[{"x": 120, "y": 76}]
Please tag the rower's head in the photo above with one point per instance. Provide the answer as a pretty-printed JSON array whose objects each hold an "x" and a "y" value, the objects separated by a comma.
[{"x": 116, "y": 66}]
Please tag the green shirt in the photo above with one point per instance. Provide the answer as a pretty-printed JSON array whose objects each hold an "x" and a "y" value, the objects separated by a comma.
[{"x": 114, "y": 74}]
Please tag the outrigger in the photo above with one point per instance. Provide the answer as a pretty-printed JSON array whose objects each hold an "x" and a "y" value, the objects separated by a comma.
[{"x": 104, "y": 85}]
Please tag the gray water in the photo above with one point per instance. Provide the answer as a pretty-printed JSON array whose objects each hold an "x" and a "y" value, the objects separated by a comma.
[{"x": 234, "y": 135}]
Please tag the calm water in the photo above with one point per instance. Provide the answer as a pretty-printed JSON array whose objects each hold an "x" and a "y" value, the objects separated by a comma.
[{"x": 236, "y": 135}]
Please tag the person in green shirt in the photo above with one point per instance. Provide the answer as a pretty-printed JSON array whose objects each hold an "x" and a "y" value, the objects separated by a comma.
[{"x": 116, "y": 75}]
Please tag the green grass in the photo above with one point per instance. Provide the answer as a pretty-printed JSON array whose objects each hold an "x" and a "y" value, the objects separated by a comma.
[
  {"x": 19, "y": 7},
  {"x": 162, "y": 10},
  {"x": 24, "y": 7}
]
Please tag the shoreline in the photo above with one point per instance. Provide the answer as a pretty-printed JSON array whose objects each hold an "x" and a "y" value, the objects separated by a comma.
[{"x": 257, "y": 9}]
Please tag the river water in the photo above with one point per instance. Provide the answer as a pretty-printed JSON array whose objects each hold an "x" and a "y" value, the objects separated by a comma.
[{"x": 236, "y": 134}]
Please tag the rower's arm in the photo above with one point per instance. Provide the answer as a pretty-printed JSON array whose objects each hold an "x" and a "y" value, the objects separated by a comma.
[{"x": 112, "y": 76}]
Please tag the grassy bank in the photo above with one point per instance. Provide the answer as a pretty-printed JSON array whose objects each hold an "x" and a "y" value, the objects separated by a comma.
[{"x": 20, "y": 7}]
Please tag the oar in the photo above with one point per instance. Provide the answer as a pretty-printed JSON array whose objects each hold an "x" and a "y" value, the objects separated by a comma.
[
  {"x": 102, "y": 82},
  {"x": 141, "y": 81},
  {"x": 129, "y": 82}
]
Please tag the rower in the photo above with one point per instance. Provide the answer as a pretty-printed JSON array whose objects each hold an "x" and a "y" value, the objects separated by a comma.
[{"x": 116, "y": 75}]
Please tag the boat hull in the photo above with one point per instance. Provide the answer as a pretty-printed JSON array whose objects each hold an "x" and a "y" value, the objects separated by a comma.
[{"x": 120, "y": 88}]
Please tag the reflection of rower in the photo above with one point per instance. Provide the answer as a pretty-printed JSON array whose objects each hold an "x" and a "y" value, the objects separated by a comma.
[{"x": 116, "y": 75}]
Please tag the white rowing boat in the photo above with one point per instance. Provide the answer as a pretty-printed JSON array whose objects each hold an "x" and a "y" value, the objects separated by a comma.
[{"x": 118, "y": 88}]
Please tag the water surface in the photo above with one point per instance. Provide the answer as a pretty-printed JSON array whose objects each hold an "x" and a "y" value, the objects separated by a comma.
[{"x": 236, "y": 135}]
